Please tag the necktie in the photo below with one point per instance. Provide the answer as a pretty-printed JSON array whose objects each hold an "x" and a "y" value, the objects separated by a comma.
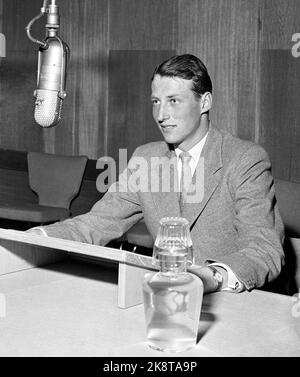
[{"x": 186, "y": 177}]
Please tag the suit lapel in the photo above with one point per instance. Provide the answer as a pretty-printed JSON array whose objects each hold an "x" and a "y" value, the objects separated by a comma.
[
  {"x": 210, "y": 163},
  {"x": 166, "y": 198},
  {"x": 165, "y": 177}
]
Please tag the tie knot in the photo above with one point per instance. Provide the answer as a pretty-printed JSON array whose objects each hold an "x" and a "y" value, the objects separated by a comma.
[{"x": 185, "y": 157}]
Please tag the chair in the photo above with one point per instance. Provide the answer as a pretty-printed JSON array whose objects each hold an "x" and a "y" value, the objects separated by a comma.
[
  {"x": 292, "y": 252},
  {"x": 56, "y": 180},
  {"x": 288, "y": 198}
]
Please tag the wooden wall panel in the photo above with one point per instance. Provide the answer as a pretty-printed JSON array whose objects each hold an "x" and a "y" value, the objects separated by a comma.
[
  {"x": 16, "y": 15},
  {"x": 83, "y": 127},
  {"x": 279, "y": 106},
  {"x": 14, "y": 185},
  {"x": 280, "y": 19},
  {"x": 1, "y": 30},
  {"x": 130, "y": 114},
  {"x": 223, "y": 33},
  {"x": 1, "y": 10},
  {"x": 143, "y": 24},
  {"x": 18, "y": 79},
  {"x": 280, "y": 112},
  {"x": 231, "y": 36}
]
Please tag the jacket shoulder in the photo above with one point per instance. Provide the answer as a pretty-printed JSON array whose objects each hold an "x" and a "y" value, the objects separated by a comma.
[
  {"x": 234, "y": 148},
  {"x": 156, "y": 148}
]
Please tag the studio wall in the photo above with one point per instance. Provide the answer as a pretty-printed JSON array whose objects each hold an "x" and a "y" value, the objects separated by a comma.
[{"x": 246, "y": 45}]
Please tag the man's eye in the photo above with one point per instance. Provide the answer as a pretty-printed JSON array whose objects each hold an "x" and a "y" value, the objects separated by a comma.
[
  {"x": 154, "y": 102},
  {"x": 173, "y": 100}
]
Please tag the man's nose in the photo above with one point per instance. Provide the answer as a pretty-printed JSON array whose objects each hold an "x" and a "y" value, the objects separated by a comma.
[{"x": 163, "y": 114}]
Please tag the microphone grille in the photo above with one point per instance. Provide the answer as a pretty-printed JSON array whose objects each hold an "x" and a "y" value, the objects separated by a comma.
[{"x": 48, "y": 108}]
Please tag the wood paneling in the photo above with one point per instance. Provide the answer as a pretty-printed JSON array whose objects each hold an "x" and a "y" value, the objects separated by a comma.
[
  {"x": 83, "y": 125},
  {"x": 130, "y": 115},
  {"x": 13, "y": 160},
  {"x": 223, "y": 33},
  {"x": 1, "y": 9},
  {"x": 143, "y": 24},
  {"x": 280, "y": 19},
  {"x": 16, "y": 15},
  {"x": 279, "y": 87},
  {"x": 280, "y": 112},
  {"x": 107, "y": 105},
  {"x": 18, "y": 78},
  {"x": 82, "y": 130},
  {"x": 14, "y": 185}
]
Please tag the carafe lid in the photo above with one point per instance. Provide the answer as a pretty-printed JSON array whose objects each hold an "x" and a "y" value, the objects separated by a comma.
[{"x": 173, "y": 241}]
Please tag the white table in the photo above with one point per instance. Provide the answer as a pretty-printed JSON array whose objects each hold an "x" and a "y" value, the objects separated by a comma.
[{"x": 70, "y": 309}]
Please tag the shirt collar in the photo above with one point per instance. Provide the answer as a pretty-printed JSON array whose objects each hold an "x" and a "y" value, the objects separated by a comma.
[{"x": 196, "y": 150}]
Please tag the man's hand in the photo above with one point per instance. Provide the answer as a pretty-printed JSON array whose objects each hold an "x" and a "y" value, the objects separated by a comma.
[
  {"x": 207, "y": 277},
  {"x": 35, "y": 231}
]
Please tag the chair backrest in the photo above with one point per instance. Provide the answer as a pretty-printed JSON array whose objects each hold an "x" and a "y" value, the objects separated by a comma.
[
  {"x": 295, "y": 243},
  {"x": 289, "y": 278},
  {"x": 288, "y": 198},
  {"x": 55, "y": 179}
]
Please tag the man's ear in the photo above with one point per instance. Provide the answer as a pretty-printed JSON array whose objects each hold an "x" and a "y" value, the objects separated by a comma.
[{"x": 206, "y": 102}]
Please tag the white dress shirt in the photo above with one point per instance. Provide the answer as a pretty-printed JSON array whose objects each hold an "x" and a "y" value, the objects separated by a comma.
[{"x": 194, "y": 152}]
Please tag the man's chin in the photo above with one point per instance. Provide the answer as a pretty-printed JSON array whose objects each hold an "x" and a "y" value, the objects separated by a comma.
[{"x": 171, "y": 140}]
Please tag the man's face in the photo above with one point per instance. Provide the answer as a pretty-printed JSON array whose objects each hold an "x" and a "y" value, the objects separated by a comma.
[{"x": 176, "y": 110}]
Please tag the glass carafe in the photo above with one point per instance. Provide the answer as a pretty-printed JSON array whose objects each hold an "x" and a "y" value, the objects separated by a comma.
[{"x": 172, "y": 296}]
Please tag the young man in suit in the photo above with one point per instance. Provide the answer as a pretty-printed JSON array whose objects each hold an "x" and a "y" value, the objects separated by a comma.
[{"x": 236, "y": 228}]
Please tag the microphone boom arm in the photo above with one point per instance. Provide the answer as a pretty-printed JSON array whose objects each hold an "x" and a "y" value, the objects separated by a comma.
[{"x": 28, "y": 27}]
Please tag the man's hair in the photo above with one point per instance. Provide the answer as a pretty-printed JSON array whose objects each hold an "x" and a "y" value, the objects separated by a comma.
[{"x": 187, "y": 67}]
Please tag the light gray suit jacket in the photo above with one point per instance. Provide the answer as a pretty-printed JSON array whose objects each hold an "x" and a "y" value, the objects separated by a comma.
[{"x": 236, "y": 222}]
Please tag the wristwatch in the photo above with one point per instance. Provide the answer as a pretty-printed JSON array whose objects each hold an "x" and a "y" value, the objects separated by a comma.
[{"x": 217, "y": 277}]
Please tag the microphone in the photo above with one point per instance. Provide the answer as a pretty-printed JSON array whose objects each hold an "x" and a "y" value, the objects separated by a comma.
[
  {"x": 53, "y": 58},
  {"x": 51, "y": 82}
]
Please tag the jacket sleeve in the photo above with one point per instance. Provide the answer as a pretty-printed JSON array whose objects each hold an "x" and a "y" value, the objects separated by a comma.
[
  {"x": 258, "y": 223},
  {"x": 109, "y": 218}
]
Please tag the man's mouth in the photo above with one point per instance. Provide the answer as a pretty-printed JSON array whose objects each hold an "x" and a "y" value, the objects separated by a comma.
[{"x": 167, "y": 126}]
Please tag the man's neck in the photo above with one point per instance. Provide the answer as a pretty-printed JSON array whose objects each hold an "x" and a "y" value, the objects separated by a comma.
[{"x": 198, "y": 136}]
